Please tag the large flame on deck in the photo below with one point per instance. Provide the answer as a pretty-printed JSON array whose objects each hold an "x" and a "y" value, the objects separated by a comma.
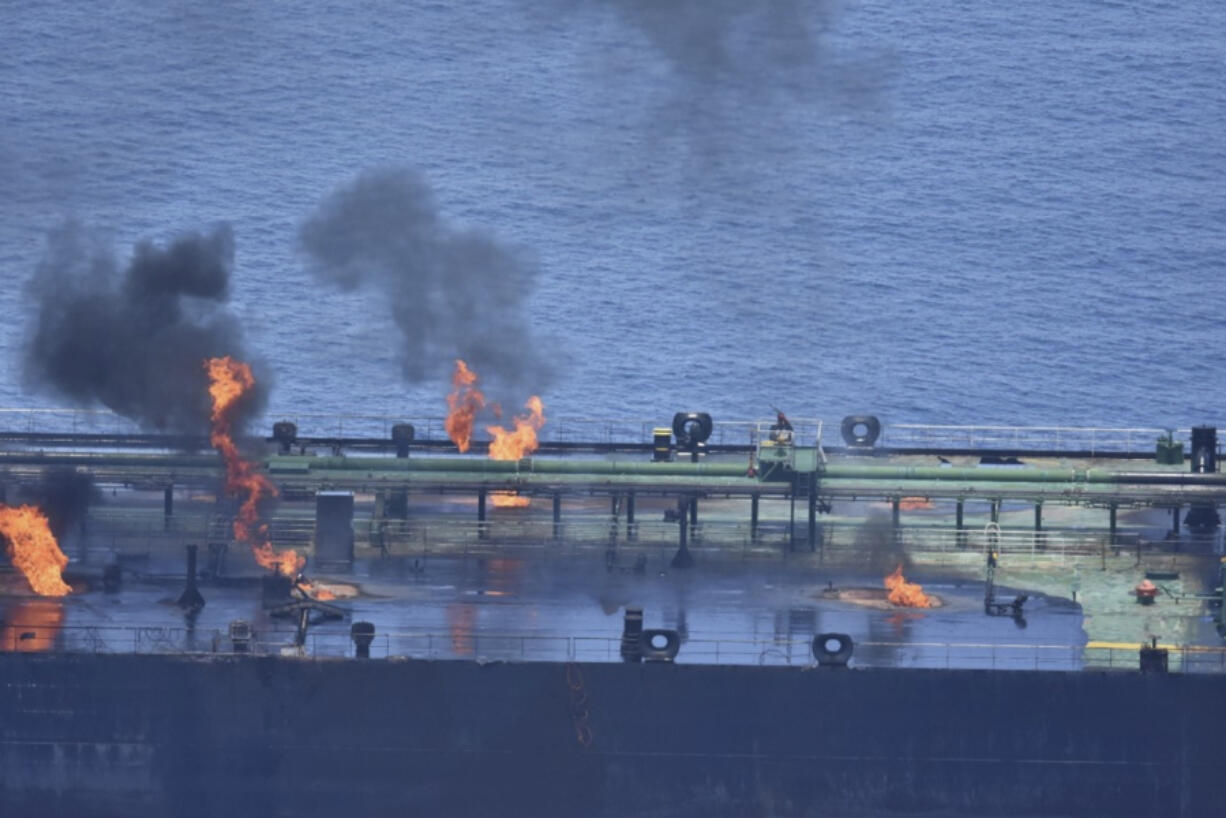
[
  {"x": 512, "y": 444},
  {"x": 33, "y": 549},
  {"x": 521, "y": 441},
  {"x": 229, "y": 380},
  {"x": 906, "y": 594},
  {"x": 462, "y": 405}
]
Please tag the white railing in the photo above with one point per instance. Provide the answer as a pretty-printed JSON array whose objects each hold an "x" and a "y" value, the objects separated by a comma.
[
  {"x": 376, "y": 426},
  {"x": 533, "y": 529},
  {"x": 790, "y": 649},
  {"x": 1032, "y": 438},
  {"x": 807, "y": 431}
]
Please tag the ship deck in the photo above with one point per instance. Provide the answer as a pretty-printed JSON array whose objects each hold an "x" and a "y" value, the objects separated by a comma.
[
  {"x": 524, "y": 609},
  {"x": 447, "y": 575}
]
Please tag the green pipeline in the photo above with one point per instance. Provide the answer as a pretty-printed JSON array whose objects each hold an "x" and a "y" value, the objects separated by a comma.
[
  {"x": 603, "y": 468},
  {"x": 607, "y": 468}
]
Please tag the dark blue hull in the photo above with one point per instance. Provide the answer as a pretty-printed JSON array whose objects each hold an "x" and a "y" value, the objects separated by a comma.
[{"x": 233, "y": 736}]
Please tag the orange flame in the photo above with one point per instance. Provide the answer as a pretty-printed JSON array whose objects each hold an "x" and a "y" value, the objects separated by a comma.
[
  {"x": 509, "y": 499},
  {"x": 33, "y": 549},
  {"x": 462, "y": 405},
  {"x": 460, "y": 621},
  {"x": 314, "y": 591},
  {"x": 31, "y": 626},
  {"x": 520, "y": 442},
  {"x": 906, "y": 594},
  {"x": 288, "y": 562},
  {"x": 513, "y": 444},
  {"x": 229, "y": 380}
]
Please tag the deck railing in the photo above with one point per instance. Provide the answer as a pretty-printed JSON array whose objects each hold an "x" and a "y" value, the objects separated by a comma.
[
  {"x": 533, "y": 532},
  {"x": 1093, "y": 440},
  {"x": 561, "y": 429},
  {"x": 782, "y": 650}
]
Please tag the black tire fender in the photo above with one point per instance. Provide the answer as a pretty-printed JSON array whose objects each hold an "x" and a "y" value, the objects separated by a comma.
[
  {"x": 837, "y": 656},
  {"x": 653, "y": 653},
  {"x": 872, "y": 430},
  {"x": 690, "y": 428}
]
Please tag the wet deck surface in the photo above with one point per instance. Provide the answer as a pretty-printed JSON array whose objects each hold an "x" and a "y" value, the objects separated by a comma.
[
  {"x": 521, "y": 586},
  {"x": 541, "y": 609}
]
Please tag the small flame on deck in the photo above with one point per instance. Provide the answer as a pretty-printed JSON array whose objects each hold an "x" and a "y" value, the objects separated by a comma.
[
  {"x": 463, "y": 404},
  {"x": 229, "y": 380},
  {"x": 31, "y": 626},
  {"x": 512, "y": 444},
  {"x": 906, "y": 594},
  {"x": 314, "y": 591},
  {"x": 33, "y": 549}
]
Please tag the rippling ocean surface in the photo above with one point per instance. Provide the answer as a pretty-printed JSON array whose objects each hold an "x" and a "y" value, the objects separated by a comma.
[{"x": 943, "y": 212}]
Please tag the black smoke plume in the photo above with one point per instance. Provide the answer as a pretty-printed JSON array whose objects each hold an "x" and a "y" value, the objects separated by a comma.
[
  {"x": 877, "y": 546},
  {"x": 135, "y": 341},
  {"x": 759, "y": 48},
  {"x": 64, "y": 495},
  {"x": 729, "y": 42},
  {"x": 453, "y": 293}
]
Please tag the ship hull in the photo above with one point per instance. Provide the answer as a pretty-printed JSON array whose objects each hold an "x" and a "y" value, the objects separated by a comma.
[{"x": 235, "y": 736}]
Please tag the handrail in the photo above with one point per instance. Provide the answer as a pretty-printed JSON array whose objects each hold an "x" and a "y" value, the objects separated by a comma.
[
  {"x": 1093, "y": 439},
  {"x": 559, "y": 429},
  {"x": 782, "y": 649},
  {"x": 562, "y": 429}
]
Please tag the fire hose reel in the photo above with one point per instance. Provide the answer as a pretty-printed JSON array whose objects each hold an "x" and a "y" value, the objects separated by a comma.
[
  {"x": 285, "y": 433},
  {"x": 362, "y": 634},
  {"x": 241, "y": 635},
  {"x": 402, "y": 437},
  {"x": 1204, "y": 449}
]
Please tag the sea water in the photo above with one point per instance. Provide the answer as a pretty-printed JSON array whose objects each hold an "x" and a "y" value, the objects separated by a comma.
[{"x": 939, "y": 212}]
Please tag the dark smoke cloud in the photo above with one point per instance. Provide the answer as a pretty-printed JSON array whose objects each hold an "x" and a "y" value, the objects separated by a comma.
[
  {"x": 732, "y": 81},
  {"x": 453, "y": 293},
  {"x": 728, "y": 41},
  {"x": 64, "y": 495},
  {"x": 135, "y": 341},
  {"x": 877, "y": 546},
  {"x": 761, "y": 49}
]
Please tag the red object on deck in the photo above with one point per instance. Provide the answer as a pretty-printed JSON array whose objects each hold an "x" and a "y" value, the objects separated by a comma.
[{"x": 1146, "y": 592}]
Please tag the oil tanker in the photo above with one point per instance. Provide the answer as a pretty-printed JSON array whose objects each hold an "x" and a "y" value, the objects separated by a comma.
[{"x": 694, "y": 619}]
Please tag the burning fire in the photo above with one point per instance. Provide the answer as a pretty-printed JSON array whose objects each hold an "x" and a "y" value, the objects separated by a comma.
[
  {"x": 462, "y": 405},
  {"x": 288, "y": 562},
  {"x": 33, "y": 549},
  {"x": 314, "y": 591},
  {"x": 513, "y": 444},
  {"x": 31, "y": 626},
  {"x": 460, "y": 622},
  {"x": 906, "y": 594},
  {"x": 229, "y": 380}
]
